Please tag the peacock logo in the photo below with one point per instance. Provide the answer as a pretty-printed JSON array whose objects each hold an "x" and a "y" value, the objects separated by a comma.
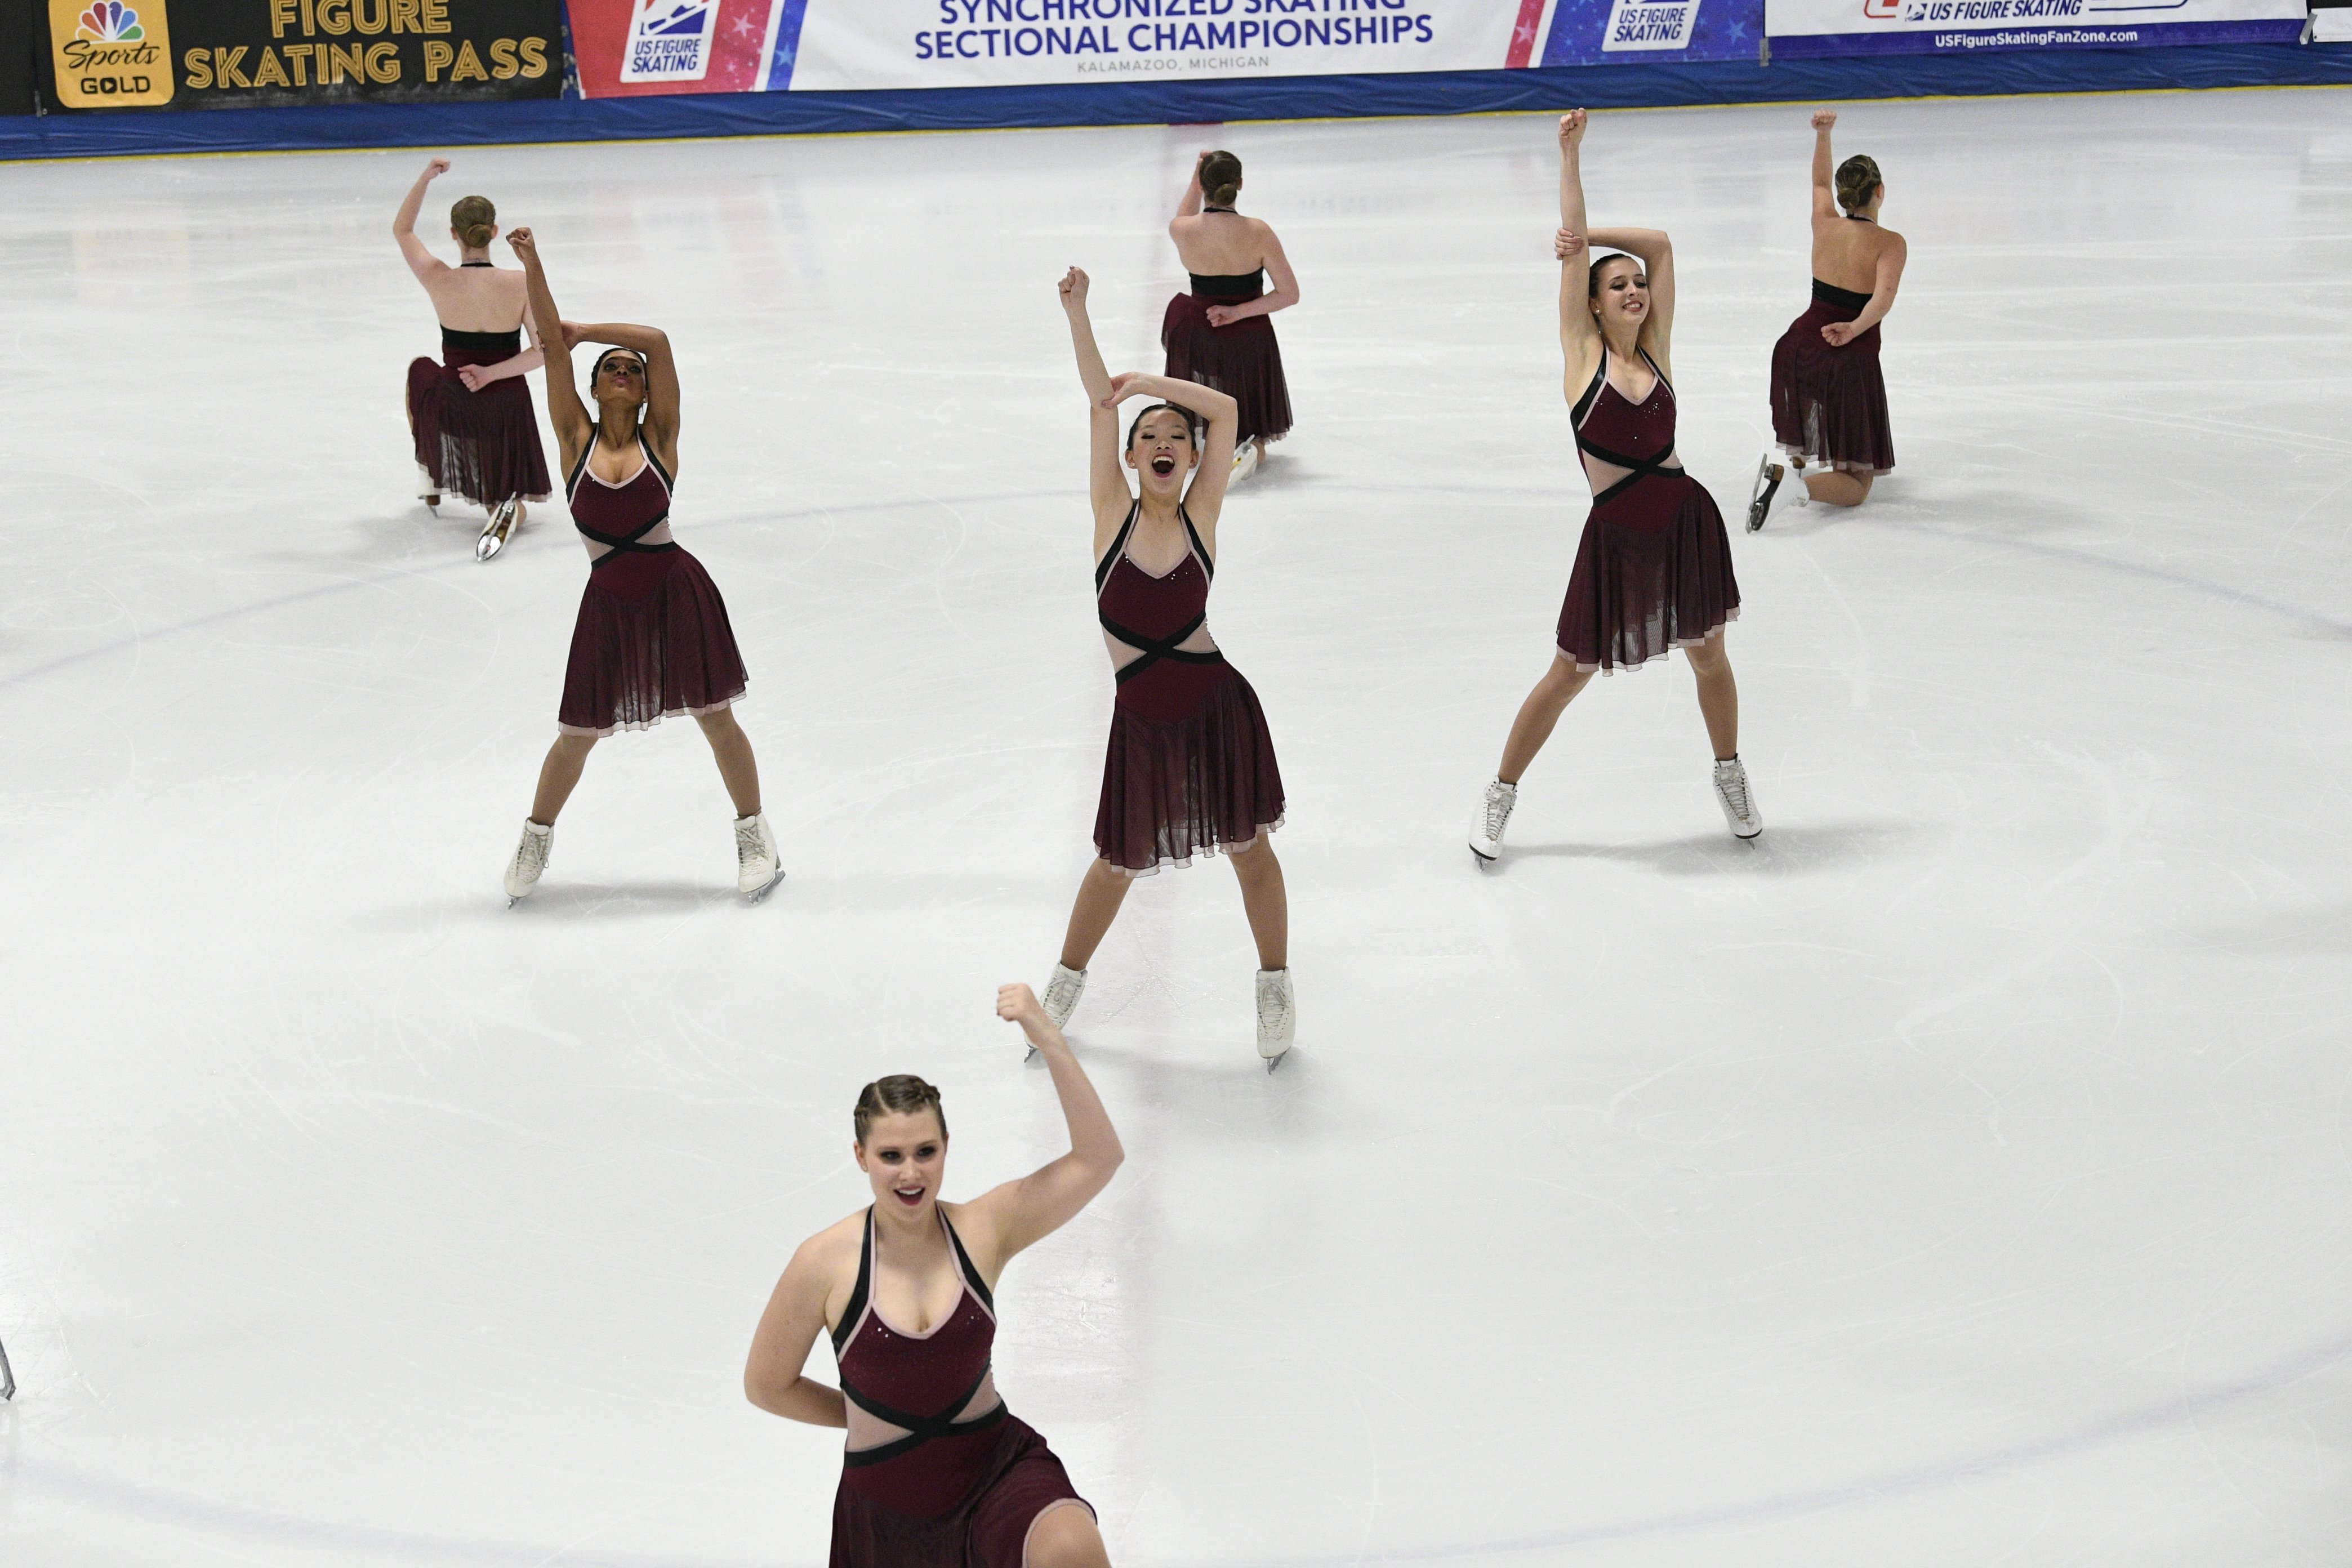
[{"x": 110, "y": 22}]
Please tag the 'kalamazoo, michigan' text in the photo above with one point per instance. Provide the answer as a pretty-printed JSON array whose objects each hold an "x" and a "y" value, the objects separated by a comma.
[{"x": 1162, "y": 26}]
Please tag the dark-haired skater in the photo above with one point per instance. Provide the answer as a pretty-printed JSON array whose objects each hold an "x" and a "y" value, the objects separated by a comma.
[
  {"x": 1829, "y": 399},
  {"x": 938, "y": 1473},
  {"x": 1218, "y": 334},
  {"x": 652, "y": 638},
  {"x": 1189, "y": 769},
  {"x": 469, "y": 414},
  {"x": 1654, "y": 568}
]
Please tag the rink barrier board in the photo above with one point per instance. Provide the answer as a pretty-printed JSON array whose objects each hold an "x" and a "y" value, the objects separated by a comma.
[{"x": 359, "y": 126}]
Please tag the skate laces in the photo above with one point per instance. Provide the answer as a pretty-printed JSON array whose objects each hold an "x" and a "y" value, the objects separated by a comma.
[
  {"x": 1273, "y": 1004},
  {"x": 530, "y": 854},
  {"x": 1731, "y": 783},
  {"x": 748, "y": 845},
  {"x": 1500, "y": 798}
]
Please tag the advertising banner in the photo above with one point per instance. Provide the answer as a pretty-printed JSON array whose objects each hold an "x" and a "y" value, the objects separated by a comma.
[
  {"x": 1813, "y": 29},
  {"x": 201, "y": 54},
  {"x": 631, "y": 47}
]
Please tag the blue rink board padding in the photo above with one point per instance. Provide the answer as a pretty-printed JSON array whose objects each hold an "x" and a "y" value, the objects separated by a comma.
[{"x": 1133, "y": 103}]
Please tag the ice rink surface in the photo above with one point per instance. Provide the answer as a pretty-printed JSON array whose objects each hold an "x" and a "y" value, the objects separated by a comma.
[{"x": 1956, "y": 1175}]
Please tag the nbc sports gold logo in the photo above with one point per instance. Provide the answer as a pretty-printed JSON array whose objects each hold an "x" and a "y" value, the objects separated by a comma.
[{"x": 110, "y": 54}]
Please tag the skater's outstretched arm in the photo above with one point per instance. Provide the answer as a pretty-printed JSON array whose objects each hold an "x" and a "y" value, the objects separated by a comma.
[
  {"x": 1191, "y": 206},
  {"x": 573, "y": 427},
  {"x": 421, "y": 261},
  {"x": 661, "y": 378},
  {"x": 1825, "y": 207},
  {"x": 773, "y": 1376},
  {"x": 1204, "y": 498},
  {"x": 1106, "y": 480},
  {"x": 1657, "y": 253},
  {"x": 1020, "y": 1213},
  {"x": 1580, "y": 335}
]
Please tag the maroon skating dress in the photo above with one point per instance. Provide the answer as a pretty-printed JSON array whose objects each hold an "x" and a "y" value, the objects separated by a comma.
[
  {"x": 483, "y": 446},
  {"x": 1653, "y": 569},
  {"x": 1243, "y": 360},
  {"x": 1829, "y": 405},
  {"x": 937, "y": 1474},
  {"x": 1189, "y": 769},
  {"x": 652, "y": 638}
]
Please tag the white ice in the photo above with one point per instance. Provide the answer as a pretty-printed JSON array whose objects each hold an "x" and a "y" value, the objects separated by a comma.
[{"x": 1956, "y": 1175}]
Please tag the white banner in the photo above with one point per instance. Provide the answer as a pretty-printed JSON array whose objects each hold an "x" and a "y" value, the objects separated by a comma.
[
  {"x": 1876, "y": 25},
  {"x": 852, "y": 44}
]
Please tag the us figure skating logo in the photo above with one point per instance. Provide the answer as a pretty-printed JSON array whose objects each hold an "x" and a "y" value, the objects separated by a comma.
[
  {"x": 1649, "y": 25},
  {"x": 109, "y": 22},
  {"x": 669, "y": 40}
]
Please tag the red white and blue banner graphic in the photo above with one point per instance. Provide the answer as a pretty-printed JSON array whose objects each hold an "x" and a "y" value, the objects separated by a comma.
[
  {"x": 631, "y": 47},
  {"x": 1813, "y": 29}
]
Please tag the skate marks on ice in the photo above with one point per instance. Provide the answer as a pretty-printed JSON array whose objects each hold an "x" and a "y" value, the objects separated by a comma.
[{"x": 1782, "y": 850}]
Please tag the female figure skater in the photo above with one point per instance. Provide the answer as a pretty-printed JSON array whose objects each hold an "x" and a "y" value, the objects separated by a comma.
[
  {"x": 1653, "y": 569},
  {"x": 1218, "y": 334},
  {"x": 652, "y": 638},
  {"x": 1829, "y": 400},
  {"x": 938, "y": 1473},
  {"x": 1190, "y": 768},
  {"x": 470, "y": 414}
]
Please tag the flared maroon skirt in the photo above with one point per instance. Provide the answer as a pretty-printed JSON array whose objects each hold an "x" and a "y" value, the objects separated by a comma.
[
  {"x": 1189, "y": 769},
  {"x": 652, "y": 640},
  {"x": 483, "y": 446},
  {"x": 1652, "y": 573},
  {"x": 1829, "y": 405},
  {"x": 1242, "y": 360},
  {"x": 989, "y": 1529}
]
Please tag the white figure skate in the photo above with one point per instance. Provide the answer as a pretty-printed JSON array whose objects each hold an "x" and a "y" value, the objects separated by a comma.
[
  {"x": 757, "y": 867},
  {"x": 530, "y": 860},
  {"x": 1738, "y": 803},
  {"x": 1486, "y": 827},
  {"x": 1277, "y": 1016}
]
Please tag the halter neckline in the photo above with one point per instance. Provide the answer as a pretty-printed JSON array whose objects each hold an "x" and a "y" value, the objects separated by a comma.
[
  {"x": 1860, "y": 217},
  {"x": 1205, "y": 210},
  {"x": 478, "y": 264}
]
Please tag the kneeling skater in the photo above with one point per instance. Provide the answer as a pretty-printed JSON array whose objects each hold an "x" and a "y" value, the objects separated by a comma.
[
  {"x": 1189, "y": 769},
  {"x": 652, "y": 638},
  {"x": 938, "y": 1473},
  {"x": 1654, "y": 568}
]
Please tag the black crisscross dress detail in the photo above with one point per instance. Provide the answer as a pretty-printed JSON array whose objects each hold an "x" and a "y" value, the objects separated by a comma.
[
  {"x": 1155, "y": 649},
  {"x": 1653, "y": 567},
  {"x": 653, "y": 639},
  {"x": 952, "y": 1489}
]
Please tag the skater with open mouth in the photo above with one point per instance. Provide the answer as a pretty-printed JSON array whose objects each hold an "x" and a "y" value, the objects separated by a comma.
[
  {"x": 652, "y": 639},
  {"x": 1189, "y": 769},
  {"x": 937, "y": 1472},
  {"x": 469, "y": 412},
  {"x": 1653, "y": 569}
]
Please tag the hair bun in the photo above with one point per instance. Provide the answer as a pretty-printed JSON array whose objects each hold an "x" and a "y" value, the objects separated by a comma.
[
  {"x": 475, "y": 221},
  {"x": 1220, "y": 178}
]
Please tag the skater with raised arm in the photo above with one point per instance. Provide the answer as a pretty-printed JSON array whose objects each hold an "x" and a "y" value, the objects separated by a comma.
[
  {"x": 1189, "y": 769},
  {"x": 1653, "y": 569},
  {"x": 1220, "y": 334},
  {"x": 1829, "y": 396},
  {"x": 469, "y": 412},
  {"x": 937, "y": 1472},
  {"x": 652, "y": 639}
]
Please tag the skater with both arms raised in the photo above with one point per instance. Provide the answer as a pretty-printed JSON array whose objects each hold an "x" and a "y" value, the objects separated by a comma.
[
  {"x": 652, "y": 639},
  {"x": 937, "y": 1472},
  {"x": 469, "y": 414},
  {"x": 1653, "y": 567},
  {"x": 1189, "y": 769},
  {"x": 1219, "y": 334},
  {"x": 1828, "y": 395}
]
